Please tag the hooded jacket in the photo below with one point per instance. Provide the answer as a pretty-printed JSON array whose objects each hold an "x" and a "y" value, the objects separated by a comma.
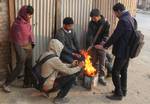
[
  {"x": 54, "y": 65},
  {"x": 21, "y": 31}
]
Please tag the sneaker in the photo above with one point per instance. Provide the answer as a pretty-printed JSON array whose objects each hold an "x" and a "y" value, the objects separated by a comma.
[
  {"x": 61, "y": 100},
  {"x": 6, "y": 89},
  {"x": 102, "y": 81}
]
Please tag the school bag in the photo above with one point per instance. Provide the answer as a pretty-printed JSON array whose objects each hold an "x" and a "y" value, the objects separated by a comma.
[
  {"x": 38, "y": 80},
  {"x": 136, "y": 41}
]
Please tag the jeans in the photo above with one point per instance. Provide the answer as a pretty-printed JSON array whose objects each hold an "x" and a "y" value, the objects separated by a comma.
[
  {"x": 23, "y": 62},
  {"x": 119, "y": 75}
]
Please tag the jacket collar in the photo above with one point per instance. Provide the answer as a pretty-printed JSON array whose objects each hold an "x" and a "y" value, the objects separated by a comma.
[
  {"x": 125, "y": 13},
  {"x": 67, "y": 31}
]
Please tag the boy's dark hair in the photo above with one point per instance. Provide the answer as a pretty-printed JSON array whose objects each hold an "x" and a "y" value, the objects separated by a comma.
[
  {"x": 30, "y": 10},
  {"x": 119, "y": 7},
  {"x": 68, "y": 21},
  {"x": 95, "y": 12}
]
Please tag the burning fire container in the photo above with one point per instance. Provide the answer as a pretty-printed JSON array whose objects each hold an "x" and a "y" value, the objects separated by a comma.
[{"x": 90, "y": 73}]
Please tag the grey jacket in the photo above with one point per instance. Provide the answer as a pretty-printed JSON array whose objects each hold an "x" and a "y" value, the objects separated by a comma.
[{"x": 69, "y": 40}]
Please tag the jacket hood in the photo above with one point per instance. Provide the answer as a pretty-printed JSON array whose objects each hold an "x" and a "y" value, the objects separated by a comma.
[
  {"x": 56, "y": 46},
  {"x": 22, "y": 14}
]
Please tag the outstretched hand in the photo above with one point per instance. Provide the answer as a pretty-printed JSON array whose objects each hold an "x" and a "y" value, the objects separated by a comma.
[
  {"x": 98, "y": 46},
  {"x": 75, "y": 63},
  {"x": 89, "y": 48},
  {"x": 81, "y": 64},
  {"x": 76, "y": 55}
]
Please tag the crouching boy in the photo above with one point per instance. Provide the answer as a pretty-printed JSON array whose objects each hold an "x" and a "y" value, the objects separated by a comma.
[{"x": 52, "y": 67}]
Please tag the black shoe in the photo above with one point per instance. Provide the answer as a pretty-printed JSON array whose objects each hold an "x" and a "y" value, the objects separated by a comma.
[
  {"x": 114, "y": 97},
  {"x": 114, "y": 92},
  {"x": 124, "y": 93}
]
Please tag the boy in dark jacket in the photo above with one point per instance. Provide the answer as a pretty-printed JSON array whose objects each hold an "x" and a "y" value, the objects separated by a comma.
[{"x": 98, "y": 55}]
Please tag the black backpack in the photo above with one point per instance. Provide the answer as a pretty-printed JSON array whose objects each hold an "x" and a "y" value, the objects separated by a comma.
[
  {"x": 38, "y": 80},
  {"x": 136, "y": 41}
]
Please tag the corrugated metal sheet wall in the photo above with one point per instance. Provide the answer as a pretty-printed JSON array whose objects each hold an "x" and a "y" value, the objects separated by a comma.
[
  {"x": 105, "y": 6},
  {"x": 44, "y": 17},
  {"x": 79, "y": 10},
  {"x": 43, "y": 22}
]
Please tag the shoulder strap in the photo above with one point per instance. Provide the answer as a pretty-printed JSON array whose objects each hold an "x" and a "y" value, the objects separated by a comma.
[
  {"x": 46, "y": 58},
  {"x": 132, "y": 22},
  {"x": 98, "y": 33},
  {"x": 39, "y": 59}
]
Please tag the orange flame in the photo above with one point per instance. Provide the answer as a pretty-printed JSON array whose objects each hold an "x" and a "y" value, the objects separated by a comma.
[{"x": 89, "y": 69}]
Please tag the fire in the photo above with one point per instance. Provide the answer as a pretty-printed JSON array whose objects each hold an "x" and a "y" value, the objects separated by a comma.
[{"x": 89, "y": 69}]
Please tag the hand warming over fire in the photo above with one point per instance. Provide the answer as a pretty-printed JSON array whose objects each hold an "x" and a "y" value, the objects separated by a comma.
[
  {"x": 78, "y": 63},
  {"x": 75, "y": 63},
  {"x": 89, "y": 48},
  {"x": 98, "y": 46},
  {"x": 76, "y": 55},
  {"x": 81, "y": 64}
]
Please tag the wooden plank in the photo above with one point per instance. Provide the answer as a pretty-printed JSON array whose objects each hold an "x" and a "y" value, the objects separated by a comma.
[
  {"x": 11, "y": 14},
  {"x": 58, "y": 15},
  {"x": 11, "y": 11}
]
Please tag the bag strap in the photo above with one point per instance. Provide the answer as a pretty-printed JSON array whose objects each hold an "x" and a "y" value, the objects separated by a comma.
[
  {"x": 40, "y": 62},
  {"x": 98, "y": 33},
  {"x": 132, "y": 23}
]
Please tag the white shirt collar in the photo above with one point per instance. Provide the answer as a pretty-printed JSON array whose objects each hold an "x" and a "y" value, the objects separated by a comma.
[{"x": 67, "y": 31}]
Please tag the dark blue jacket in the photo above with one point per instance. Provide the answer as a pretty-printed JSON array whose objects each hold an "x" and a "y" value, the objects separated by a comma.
[{"x": 120, "y": 37}]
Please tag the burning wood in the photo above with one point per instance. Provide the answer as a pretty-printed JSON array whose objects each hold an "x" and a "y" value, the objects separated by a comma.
[{"x": 89, "y": 70}]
